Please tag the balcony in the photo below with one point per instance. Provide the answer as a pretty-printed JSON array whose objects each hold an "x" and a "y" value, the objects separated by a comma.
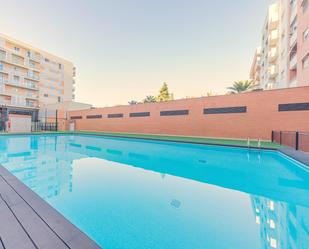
[
  {"x": 18, "y": 62},
  {"x": 293, "y": 62},
  {"x": 23, "y": 103},
  {"x": 273, "y": 55},
  {"x": 273, "y": 71},
  {"x": 293, "y": 38},
  {"x": 32, "y": 77},
  {"x": 32, "y": 66},
  {"x": 17, "y": 73},
  {"x": 25, "y": 85},
  {"x": 293, "y": 13},
  {"x": 293, "y": 82},
  {"x": 3, "y": 80},
  {"x": 273, "y": 38},
  {"x": 31, "y": 96},
  {"x": 274, "y": 22},
  {"x": 2, "y": 56},
  {"x": 33, "y": 57}
]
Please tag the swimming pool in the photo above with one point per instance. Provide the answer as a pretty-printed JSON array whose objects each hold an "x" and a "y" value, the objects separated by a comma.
[{"x": 136, "y": 194}]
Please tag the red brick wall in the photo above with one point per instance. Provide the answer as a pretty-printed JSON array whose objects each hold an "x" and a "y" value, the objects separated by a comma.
[{"x": 261, "y": 118}]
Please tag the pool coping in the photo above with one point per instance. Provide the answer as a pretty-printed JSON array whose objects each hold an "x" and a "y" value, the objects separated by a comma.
[
  {"x": 297, "y": 155},
  {"x": 171, "y": 138},
  {"x": 32, "y": 222}
]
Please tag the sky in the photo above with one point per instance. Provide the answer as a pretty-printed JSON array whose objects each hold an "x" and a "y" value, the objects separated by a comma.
[{"x": 125, "y": 49}]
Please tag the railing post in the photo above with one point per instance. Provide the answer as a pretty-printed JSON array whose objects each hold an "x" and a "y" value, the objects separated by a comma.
[
  {"x": 297, "y": 140},
  {"x": 280, "y": 137},
  {"x": 56, "y": 120},
  {"x": 272, "y": 136}
]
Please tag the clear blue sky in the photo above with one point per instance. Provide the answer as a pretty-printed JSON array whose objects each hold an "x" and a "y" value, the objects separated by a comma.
[{"x": 126, "y": 49}]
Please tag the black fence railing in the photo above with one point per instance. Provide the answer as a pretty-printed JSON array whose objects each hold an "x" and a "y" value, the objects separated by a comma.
[
  {"x": 295, "y": 139},
  {"x": 39, "y": 126}
]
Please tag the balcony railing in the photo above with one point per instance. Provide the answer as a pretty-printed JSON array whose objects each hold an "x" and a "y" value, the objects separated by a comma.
[
  {"x": 3, "y": 81},
  {"x": 23, "y": 85},
  {"x": 273, "y": 54},
  {"x": 293, "y": 38},
  {"x": 273, "y": 71},
  {"x": 18, "y": 73},
  {"x": 273, "y": 37},
  {"x": 18, "y": 62},
  {"x": 293, "y": 62}
]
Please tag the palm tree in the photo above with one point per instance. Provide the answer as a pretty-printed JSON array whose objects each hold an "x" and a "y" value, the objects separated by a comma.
[
  {"x": 241, "y": 86},
  {"x": 133, "y": 102},
  {"x": 150, "y": 99}
]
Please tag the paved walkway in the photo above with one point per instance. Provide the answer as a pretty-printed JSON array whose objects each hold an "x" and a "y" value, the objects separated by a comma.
[
  {"x": 300, "y": 156},
  {"x": 28, "y": 222}
]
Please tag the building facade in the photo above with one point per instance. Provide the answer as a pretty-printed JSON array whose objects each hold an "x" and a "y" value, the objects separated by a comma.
[
  {"x": 283, "y": 56},
  {"x": 31, "y": 78}
]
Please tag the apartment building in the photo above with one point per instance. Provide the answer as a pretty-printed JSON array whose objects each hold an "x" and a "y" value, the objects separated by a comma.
[
  {"x": 283, "y": 57},
  {"x": 31, "y": 78},
  {"x": 256, "y": 68}
]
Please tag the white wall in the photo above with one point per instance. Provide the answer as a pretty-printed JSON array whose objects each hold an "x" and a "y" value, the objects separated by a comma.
[{"x": 20, "y": 123}]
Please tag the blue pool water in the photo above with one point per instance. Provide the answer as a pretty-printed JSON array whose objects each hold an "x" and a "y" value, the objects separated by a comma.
[{"x": 139, "y": 194}]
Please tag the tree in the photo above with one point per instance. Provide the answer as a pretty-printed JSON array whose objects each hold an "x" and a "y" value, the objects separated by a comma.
[
  {"x": 133, "y": 102},
  {"x": 240, "y": 86},
  {"x": 150, "y": 99},
  {"x": 164, "y": 94}
]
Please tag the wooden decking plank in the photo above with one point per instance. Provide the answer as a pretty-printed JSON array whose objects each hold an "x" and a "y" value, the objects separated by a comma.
[
  {"x": 12, "y": 233},
  {"x": 68, "y": 232},
  {"x": 36, "y": 228},
  {"x": 1, "y": 244},
  {"x": 65, "y": 230}
]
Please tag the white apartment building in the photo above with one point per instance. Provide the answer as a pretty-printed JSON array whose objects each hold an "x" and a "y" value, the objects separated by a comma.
[
  {"x": 272, "y": 71},
  {"x": 284, "y": 52},
  {"x": 31, "y": 78}
]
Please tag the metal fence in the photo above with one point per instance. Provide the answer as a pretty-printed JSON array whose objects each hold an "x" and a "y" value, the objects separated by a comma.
[
  {"x": 40, "y": 126},
  {"x": 295, "y": 139}
]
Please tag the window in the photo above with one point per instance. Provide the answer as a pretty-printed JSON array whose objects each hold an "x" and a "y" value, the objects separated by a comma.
[
  {"x": 139, "y": 114},
  {"x": 59, "y": 99},
  {"x": 93, "y": 116},
  {"x": 306, "y": 61},
  {"x": 174, "y": 113},
  {"x": 226, "y": 110},
  {"x": 2, "y": 54},
  {"x": 116, "y": 115},
  {"x": 16, "y": 79},
  {"x": 76, "y": 117},
  {"x": 293, "y": 107},
  {"x": 28, "y": 53},
  {"x": 306, "y": 34},
  {"x": 60, "y": 66},
  {"x": 17, "y": 49},
  {"x": 45, "y": 95},
  {"x": 305, "y": 5},
  {"x": 46, "y": 60}
]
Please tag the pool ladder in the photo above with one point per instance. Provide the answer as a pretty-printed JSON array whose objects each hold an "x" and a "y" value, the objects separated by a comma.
[
  {"x": 258, "y": 143},
  {"x": 258, "y": 146}
]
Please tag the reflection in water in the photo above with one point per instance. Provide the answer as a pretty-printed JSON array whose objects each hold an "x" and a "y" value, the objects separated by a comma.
[
  {"x": 36, "y": 163},
  {"x": 282, "y": 225},
  {"x": 168, "y": 183}
]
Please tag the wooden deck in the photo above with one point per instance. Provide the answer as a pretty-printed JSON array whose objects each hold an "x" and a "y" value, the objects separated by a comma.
[{"x": 28, "y": 222}]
